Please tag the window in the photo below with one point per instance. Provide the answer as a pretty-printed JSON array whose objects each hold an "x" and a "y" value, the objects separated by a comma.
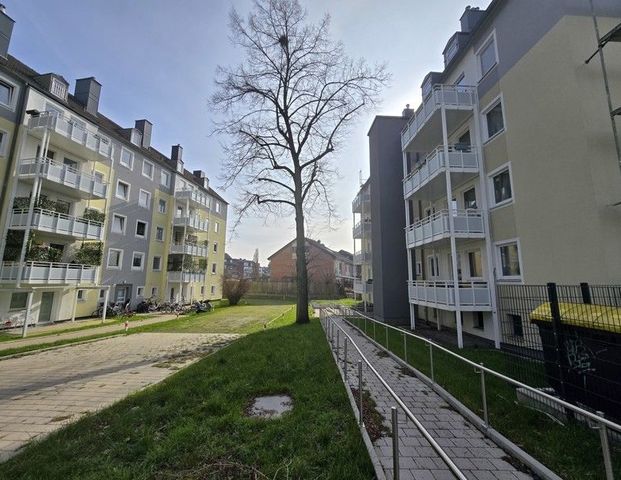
[
  {"x": 215, "y": 247},
  {"x": 118, "y": 223},
  {"x": 59, "y": 89},
  {"x": 216, "y": 227},
  {"x": 144, "y": 199},
  {"x": 115, "y": 258},
  {"x": 474, "y": 263},
  {"x": 81, "y": 295},
  {"x": 202, "y": 290},
  {"x": 18, "y": 300},
  {"x": 127, "y": 158},
  {"x": 494, "y": 120},
  {"x": 4, "y": 136},
  {"x": 122, "y": 190},
  {"x": 154, "y": 291},
  {"x": 501, "y": 185},
  {"x": 516, "y": 324},
  {"x": 147, "y": 169},
  {"x": 6, "y": 93},
  {"x": 213, "y": 268},
  {"x": 157, "y": 263},
  {"x": 487, "y": 57},
  {"x": 213, "y": 289},
  {"x": 161, "y": 206},
  {"x": 139, "y": 291},
  {"x": 165, "y": 178},
  {"x": 470, "y": 199},
  {"x": 434, "y": 267},
  {"x": 137, "y": 260},
  {"x": 509, "y": 258},
  {"x": 479, "y": 324},
  {"x": 159, "y": 234},
  {"x": 141, "y": 228},
  {"x": 218, "y": 207}
]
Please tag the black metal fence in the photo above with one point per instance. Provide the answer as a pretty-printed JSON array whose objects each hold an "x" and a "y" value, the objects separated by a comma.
[{"x": 566, "y": 338}]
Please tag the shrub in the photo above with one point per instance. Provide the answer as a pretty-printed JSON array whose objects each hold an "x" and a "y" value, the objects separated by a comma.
[
  {"x": 94, "y": 215},
  {"x": 89, "y": 254},
  {"x": 234, "y": 289},
  {"x": 21, "y": 203}
]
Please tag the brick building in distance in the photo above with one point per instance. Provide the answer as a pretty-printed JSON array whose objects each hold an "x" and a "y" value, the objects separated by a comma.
[{"x": 326, "y": 267}]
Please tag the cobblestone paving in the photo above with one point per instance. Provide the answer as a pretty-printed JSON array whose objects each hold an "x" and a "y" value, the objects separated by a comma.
[
  {"x": 475, "y": 455},
  {"x": 39, "y": 393}
]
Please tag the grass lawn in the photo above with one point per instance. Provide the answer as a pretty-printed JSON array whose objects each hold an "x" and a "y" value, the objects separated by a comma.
[
  {"x": 192, "y": 425},
  {"x": 572, "y": 451},
  {"x": 348, "y": 302}
]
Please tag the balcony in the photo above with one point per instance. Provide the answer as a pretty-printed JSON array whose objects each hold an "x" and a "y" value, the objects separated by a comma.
[
  {"x": 195, "y": 197},
  {"x": 361, "y": 257},
  {"x": 361, "y": 202},
  {"x": 424, "y": 129},
  {"x": 192, "y": 222},
  {"x": 58, "y": 223},
  {"x": 473, "y": 296},
  {"x": 362, "y": 228},
  {"x": 49, "y": 273},
  {"x": 188, "y": 249},
  {"x": 63, "y": 178},
  {"x": 466, "y": 224},
  {"x": 463, "y": 164},
  {"x": 186, "y": 277},
  {"x": 362, "y": 287},
  {"x": 72, "y": 130}
]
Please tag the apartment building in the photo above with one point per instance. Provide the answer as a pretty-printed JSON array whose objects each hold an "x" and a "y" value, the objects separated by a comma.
[
  {"x": 363, "y": 266},
  {"x": 511, "y": 174},
  {"x": 92, "y": 211}
]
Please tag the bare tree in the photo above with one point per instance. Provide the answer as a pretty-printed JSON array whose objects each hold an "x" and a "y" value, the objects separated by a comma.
[{"x": 287, "y": 109}]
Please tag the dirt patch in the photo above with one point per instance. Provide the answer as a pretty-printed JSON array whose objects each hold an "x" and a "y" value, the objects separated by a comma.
[
  {"x": 270, "y": 406},
  {"x": 61, "y": 418},
  {"x": 516, "y": 464},
  {"x": 383, "y": 354},
  {"x": 373, "y": 420},
  {"x": 219, "y": 470},
  {"x": 406, "y": 371}
]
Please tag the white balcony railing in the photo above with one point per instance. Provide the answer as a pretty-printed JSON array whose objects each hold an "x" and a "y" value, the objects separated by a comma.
[
  {"x": 64, "y": 175},
  {"x": 73, "y": 130},
  {"x": 191, "y": 221},
  {"x": 195, "y": 196},
  {"x": 186, "y": 277},
  {"x": 188, "y": 249},
  {"x": 361, "y": 198},
  {"x": 49, "y": 272},
  {"x": 456, "y": 96},
  {"x": 362, "y": 228},
  {"x": 466, "y": 224},
  {"x": 362, "y": 287},
  {"x": 460, "y": 159},
  {"x": 361, "y": 257},
  {"x": 59, "y": 223},
  {"x": 472, "y": 295}
]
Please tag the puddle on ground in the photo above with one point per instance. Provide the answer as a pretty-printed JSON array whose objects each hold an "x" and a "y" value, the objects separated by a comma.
[{"x": 273, "y": 406}]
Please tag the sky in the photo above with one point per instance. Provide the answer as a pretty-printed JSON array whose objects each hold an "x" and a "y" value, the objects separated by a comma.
[{"x": 156, "y": 59}]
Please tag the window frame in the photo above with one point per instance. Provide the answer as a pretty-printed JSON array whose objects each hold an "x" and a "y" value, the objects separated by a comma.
[
  {"x": 490, "y": 182},
  {"x": 148, "y": 205},
  {"x": 214, "y": 267},
  {"x": 19, "y": 307},
  {"x": 154, "y": 291},
  {"x": 498, "y": 254},
  {"x": 213, "y": 290},
  {"x": 157, "y": 228},
  {"x": 81, "y": 298},
  {"x": 480, "y": 277},
  {"x": 141, "y": 267},
  {"x": 498, "y": 100},
  {"x": 120, "y": 265},
  {"x": 486, "y": 43},
  {"x": 165, "y": 173},
  {"x": 131, "y": 158},
  {"x": 147, "y": 162},
  {"x": 4, "y": 142},
  {"x": 12, "y": 105},
  {"x": 146, "y": 229},
  {"x": 124, "y": 229},
  {"x": 159, "y": 205},
  {"x": 116, "y": 190},
  {"x": 152, "y": 263},
  {"x": 138, "y": 294},
  {"x": 216, "y": 227}
]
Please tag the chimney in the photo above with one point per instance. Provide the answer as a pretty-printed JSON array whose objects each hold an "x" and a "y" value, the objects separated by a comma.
[
  {"x": 87, "y": 91},
  {"x": 144, "y": 127},
  {"x": 176, "y": 155},
  {"x": 6, "y": 30},
  {"x": 407, "y": 111},
  {"x": 201, "y": 178},
  {"x": 471, "y": 18}
]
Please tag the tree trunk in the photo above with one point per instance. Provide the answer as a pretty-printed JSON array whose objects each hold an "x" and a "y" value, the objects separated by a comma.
[{"x": 301, "y": 315}]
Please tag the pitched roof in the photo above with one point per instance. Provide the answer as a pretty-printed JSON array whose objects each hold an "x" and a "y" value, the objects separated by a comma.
[{"x": 341, "y": 254}]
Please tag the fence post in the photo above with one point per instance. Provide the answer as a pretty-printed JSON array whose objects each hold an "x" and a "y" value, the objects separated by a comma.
[
  {"x": 395, "y": 442},
  {"x": 373, "y": 329},
  {"x": 484, "y": 397},
  {"x": 558, "y": 341},
  {"x": 586, "y": 293},
  {"x": 431, "y": 362},
  {"x": 360, "y": 420},
  {"x": 337, "y": 343},
  {"x": 386, "y": 327},
  {"x": 405, "y": 348},
  {"x": 345, "y": 358},
  {"x": 603, "y": 436}
]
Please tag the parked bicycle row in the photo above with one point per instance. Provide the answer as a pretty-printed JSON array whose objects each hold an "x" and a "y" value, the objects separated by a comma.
[{"x": 152, "y": 305}]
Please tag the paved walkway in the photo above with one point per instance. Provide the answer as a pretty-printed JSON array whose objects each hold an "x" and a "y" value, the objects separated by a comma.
[
  {"x": 41, "y": 392},
  {"x": 109, "y": 327},
  {"x": 477, "y": 456}
]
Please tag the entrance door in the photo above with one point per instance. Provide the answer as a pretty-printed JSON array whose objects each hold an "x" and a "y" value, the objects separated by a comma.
[
  {"x": 45, "y": 311},
  {"x": 172, "y": 294}
]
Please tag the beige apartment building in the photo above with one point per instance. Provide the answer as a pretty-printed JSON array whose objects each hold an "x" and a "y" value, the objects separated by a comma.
[{"x": 510, "y": 168}]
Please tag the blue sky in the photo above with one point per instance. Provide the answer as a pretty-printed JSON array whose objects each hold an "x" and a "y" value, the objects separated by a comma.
[{"x": 156, "y": 59}]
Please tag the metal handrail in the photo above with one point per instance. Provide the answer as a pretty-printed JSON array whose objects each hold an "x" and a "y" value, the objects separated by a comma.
[
  {"x": 443, "y": 455},
  {"x": 448, "y": 284},
  {"x": 444, "y": 213},
  {"x": 478, "y": 366},
  {"x": 439, "y": 150},
  {"x": 47, "y": 161},
  {"x": 64, "y": 216}
]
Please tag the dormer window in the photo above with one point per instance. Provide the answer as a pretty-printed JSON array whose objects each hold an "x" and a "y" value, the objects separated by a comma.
[
  {"x": 451, "y": 50},
  {"x": 58, "y": 89}
]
